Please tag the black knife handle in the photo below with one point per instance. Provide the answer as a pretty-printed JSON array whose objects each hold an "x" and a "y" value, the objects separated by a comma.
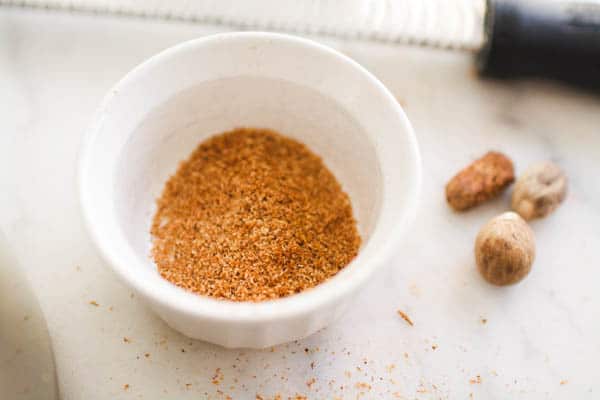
[{"x": 547, "y": 38}]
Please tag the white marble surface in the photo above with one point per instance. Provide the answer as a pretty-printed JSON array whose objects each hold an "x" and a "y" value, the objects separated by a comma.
[{"x": 541, "y": 339}]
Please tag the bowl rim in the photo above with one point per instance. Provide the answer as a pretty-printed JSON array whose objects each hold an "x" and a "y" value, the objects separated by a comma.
[{"x": 165, "y": 294}]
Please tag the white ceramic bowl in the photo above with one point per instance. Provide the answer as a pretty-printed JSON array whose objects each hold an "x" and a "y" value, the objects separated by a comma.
[{"x": 156, "y": 115}]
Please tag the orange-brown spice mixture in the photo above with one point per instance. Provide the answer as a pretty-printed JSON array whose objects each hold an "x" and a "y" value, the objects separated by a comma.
[{"x": 251, "y": 216}]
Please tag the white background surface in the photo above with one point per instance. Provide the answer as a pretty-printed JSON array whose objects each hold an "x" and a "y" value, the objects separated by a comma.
[{"x": 55, "y": 69}]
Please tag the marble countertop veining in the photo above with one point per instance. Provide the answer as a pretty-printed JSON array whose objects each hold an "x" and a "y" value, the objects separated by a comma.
[{"x": 536, "y": 340}]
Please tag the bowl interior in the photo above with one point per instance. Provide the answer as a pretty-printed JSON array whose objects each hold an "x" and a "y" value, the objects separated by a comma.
[{"x": 171, "y": 131}]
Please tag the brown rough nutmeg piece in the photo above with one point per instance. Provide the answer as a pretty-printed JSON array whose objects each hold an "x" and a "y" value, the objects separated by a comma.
[
  {"x": 484, "y": 179},
  {"x": 539, "y": 191},
  {"x": 505, "y": 249}
]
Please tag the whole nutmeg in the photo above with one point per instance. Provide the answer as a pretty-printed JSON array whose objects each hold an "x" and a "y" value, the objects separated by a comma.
[
  {"x": 539, "y": 191},
  {"x": 505, "y": 249},
  {"x": 480, "y": 181}
]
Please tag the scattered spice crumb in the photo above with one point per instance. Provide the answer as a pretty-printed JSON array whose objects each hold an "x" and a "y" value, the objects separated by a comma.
[
  {"x": 475, "y": 380},
  {"x": 414, "y": 290},
  {"x": 390, "y": 367},
  {"x": 183, "y": 350},
  {"x": 126, "y": 340},
  {"x": 110, "y": 308},
  {"x": 310, "y": 382},
  {"x": 217, "y": 377},
  {"x": 398, "y": 395},
  {"x": 405, "y": 317},
  {"x": 348, "y": 374},
  {"x": 94, "y": 303},
  {"x": 26, "y": 318},
  {"x": 363, "y": 385},
  {"x": 405, "y": 355},
  {"x": 312, "y": 365},
  {"x": 434, "y": 346},
  {"x": 484, "y": 321},
  {"x": 564, "y": 382},
  {"x": 188, "y": 385},
  {"x": 147, "y": 355},
  {"x": 126, "y": 386}
]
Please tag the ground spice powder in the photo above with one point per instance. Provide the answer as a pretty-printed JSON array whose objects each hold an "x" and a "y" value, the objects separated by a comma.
[{"x": 251, "y": 216}]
